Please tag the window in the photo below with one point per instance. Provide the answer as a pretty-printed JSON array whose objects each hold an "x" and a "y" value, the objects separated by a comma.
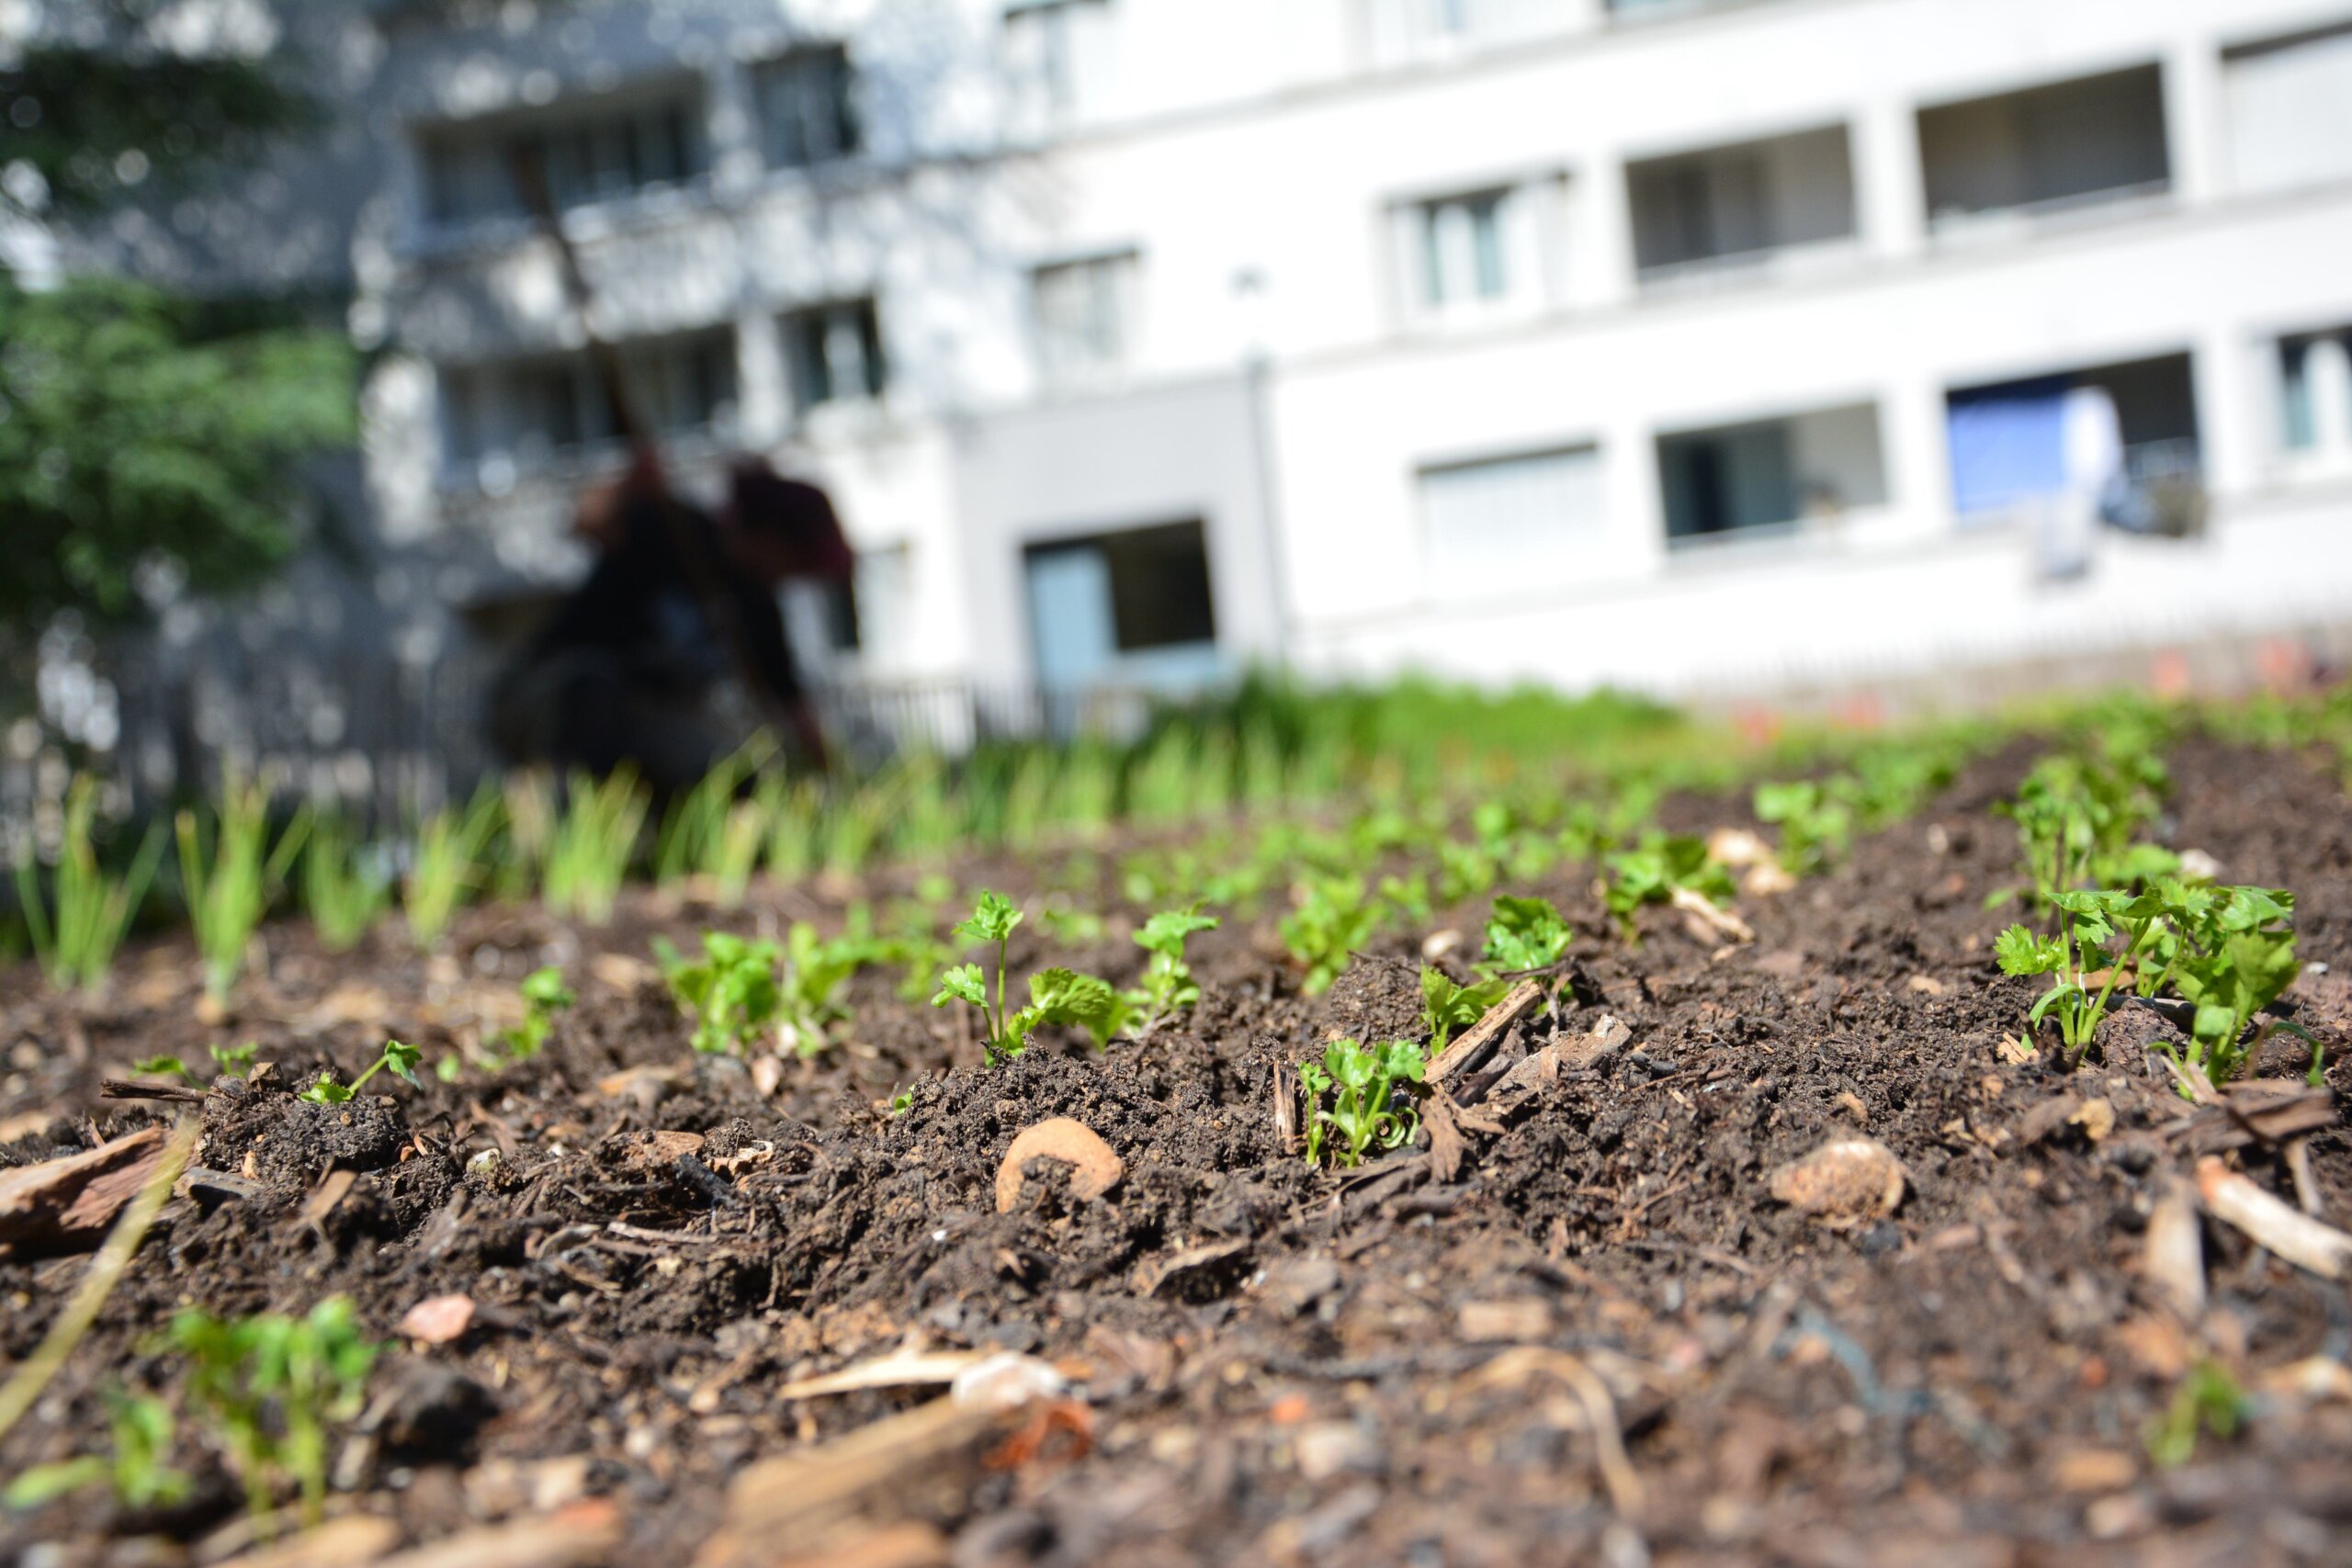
[
  {"x": 1770, "y": 474},
  {"x": 1462, "y": 249},
  {"x": 1742, "y": 201},
  {"x": 1084, "y": 313},
  {"x": 863, "y": 619},
  {"x": 1512, "y": 520},
  {"x": 806, "y": 107},
  {"x": 1475, "y": 253},
  {"x": 2124, "y": 434},
  {"x": 2315, "y": 383},
  {"x": 2069, "y": 144},
  {"x": 531, "y": 410},
  {"x": 1401, "y": 30},
  {"x": 2289, "y": 109},
  {"x": 1130, "y": 600},
  {"x": 835, "y": 353},
  {"x": 1059, "y": 60},
  {"x": 591, "y": 152}
]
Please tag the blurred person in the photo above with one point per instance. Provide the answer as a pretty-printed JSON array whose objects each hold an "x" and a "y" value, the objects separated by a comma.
[{"x": 678, "y": 600}]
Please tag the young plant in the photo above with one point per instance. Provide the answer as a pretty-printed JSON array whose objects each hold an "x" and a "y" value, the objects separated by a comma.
[
  {"x": 1523, "y": 935},
  {"x": 225, "y": 1059},
  {"x": 1816, "y": 822},
  {"x": 1663, "y": 866},
  {"x": 402, "y": 1059},
  {"x": 732, "y": 990},
  {"x": 589, "y": 853},
  {"x": 2209, "y": 1401},
  {"x": 446, "y": 866},
  {"x": 1168, "y": 986},
  {"x": 76, "y": 936},
  {"x": 815, "y": 970},
  {"x": 544, "y": 996},
  {"x": 2078, "y": 958},
  {"x": 1446, "y": 1007},
  {"x": 2233, "y": 955},
  {"x": 1365, "y": 1109},
  {"x": 2229, "y": 952},
  {"x": 141, "y": 1426},
  {"x": 1055, "y": 996},
  {"x": 1333, "y": 918},
  {"x": 229, "y": 875},
  {"x": 345, "y": 885},
  {"x": 269, "y": 1386}
]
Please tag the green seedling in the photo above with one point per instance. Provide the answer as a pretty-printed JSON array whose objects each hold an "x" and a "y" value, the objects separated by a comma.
[
  {"x": 594, "y": 842},
  {"x": 270, "y": 1386},
  {"x": 2208, "y": 1402},
  {"x": 346, "y": 886},
  {"x": 1446, "y": 1007},
  {"x": 229, "y": 875},
  {"x": 402, "y": 1059},
  {"x": 1653, "y": 874},
  {"x": 446, "y": 866},
  {"x": 732, "y": 990},
  {"x": 1525, "y": 935},
  {"x": 544, "y": 996},
  {"x": 815, "y": 970},
  {"x": 1055, "y": 996},
  {"x": 902, "y": 1102},
  {"x": 1168, "y": 987},
  {"x": 232, "y": 1059},
  {"x": 141, "y": 1427},
  {"x": 2232, "y": 956},
  {"x": 1365, "y": 1108},
  {"x": 1463, "y": 872},
  {"x": 76, "y": 937},
  {"x": 1071, "y": 926},
  {"x": 1815, "y": 819},
  {"x": 1333, "y": 918},
  {"x": 2229, "y": 952}
]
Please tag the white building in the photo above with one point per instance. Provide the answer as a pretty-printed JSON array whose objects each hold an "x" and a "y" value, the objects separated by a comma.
[{"x": 1685, "y": 345}]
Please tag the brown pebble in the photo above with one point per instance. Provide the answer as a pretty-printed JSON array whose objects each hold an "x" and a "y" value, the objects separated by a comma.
[
  {"x": 1095, "y": 1167},
  {"x": 1844, "y": 1182}
]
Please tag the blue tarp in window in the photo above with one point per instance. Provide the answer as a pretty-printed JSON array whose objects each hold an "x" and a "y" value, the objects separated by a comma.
[{"x": 2008, "y": 444}]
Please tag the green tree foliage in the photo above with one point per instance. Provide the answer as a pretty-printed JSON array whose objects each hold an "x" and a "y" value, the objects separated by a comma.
[
  {"x": 131, "y": 440},
  {"x": 145, "y": 439}
]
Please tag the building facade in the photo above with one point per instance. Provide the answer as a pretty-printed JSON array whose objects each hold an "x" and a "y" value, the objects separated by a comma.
[{"x": 1695, "y": 347}]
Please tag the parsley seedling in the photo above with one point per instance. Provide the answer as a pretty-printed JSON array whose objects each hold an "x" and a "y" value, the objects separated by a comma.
[
  {"x": 1651, "y": 874},
  {"x": 1168, "y": 987},
  {"x": 544, "y": 996},
  {"x": 402, "y": 1059},
  {"x": 1446, "y": 1007},
  {"x": 1055, "y": 996},
  {"x": 270, "y": 1385},
  {"x": 732, "y": 990},
  {"x": 1524, "y": 934},
  {"x": 1333, "y": 918},
  {"x": 1366, "y": 1108}
]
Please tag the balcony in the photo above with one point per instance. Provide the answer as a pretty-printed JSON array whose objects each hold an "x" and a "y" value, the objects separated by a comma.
[
  {"x": 2043, "y": 153},
  {"x": 1744, "y": 208}
]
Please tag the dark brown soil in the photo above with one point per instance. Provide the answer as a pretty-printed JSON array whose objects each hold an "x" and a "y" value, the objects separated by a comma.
[{"x": 1279, "y": 1365}]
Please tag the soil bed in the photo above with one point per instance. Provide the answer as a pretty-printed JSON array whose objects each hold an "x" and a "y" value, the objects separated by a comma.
[{"x": 1417, "y": 1363}]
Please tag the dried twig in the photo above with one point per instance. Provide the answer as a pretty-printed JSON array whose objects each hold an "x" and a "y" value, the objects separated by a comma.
[
  {"x": 1472, "y": 1045},
  {"x": 125, "y": 1089},
  {"x": 2302, "y": 1241},
  {"x": 2172, "y": 1253}
]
